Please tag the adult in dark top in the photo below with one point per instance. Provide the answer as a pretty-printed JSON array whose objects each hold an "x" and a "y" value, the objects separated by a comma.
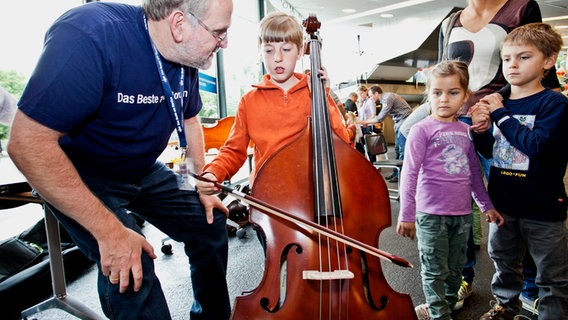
[
  {"x": 111, "y": 85},
  {"x": 351, "y": 102}
]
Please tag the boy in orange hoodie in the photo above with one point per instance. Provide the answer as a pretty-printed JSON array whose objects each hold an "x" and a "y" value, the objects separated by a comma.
[{"x": 274, "y": 112}]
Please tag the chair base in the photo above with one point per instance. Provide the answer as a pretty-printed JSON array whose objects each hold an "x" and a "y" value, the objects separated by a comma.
[
  {"x": 395, "y": 165},
  {"x": 67, "y": 304}
]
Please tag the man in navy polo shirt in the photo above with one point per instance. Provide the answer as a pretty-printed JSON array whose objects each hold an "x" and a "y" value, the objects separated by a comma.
[{"x": 111, "y": 85}]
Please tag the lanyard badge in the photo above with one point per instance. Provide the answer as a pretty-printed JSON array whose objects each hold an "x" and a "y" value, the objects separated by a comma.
[{"x": 185, "y": 181}]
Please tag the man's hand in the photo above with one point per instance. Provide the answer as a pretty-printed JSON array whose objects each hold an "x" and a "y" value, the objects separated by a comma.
[
  {"x": 210, "y": 203},
  {"x": 121, "y": 256}
]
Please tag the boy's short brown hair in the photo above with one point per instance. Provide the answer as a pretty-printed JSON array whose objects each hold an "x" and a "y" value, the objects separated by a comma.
[
  {"x": 281, "y": 27},
  {"x": 541, "y": 35}
]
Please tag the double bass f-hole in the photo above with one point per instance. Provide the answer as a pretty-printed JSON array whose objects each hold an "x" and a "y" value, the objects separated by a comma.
[{"x": 311, "y": 200}]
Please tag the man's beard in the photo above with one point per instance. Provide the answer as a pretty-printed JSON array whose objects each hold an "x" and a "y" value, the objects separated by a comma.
[{"x": 203, "y": 62}]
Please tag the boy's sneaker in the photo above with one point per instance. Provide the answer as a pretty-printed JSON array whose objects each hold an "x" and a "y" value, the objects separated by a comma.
[
  {"x": 529, "y": 305},
  {"x": 422, "y": 312},
  {"x": 497, "y": 312},
  {"x": 465, "y": 291}
]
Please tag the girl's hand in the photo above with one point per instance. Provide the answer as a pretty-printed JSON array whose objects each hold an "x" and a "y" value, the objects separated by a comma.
[
  {"x": 406, "y": 229},
  {"x": 480, "y": 117}
]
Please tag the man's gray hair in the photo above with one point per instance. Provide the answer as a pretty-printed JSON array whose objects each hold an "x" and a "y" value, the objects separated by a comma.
[{"x": 160, "y": 9}]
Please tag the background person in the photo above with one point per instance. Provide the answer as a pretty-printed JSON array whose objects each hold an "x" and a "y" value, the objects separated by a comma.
[
  {"x": 395, "y": 106},
  {"x": 8, "y": 107},
  {"x": 94, "y": 118},
  {"x": 351, "y": 102},
  {"x": 367, "y": 110}
]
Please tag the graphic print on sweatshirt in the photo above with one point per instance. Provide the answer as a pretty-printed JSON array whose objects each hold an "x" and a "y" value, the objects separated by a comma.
[{"x": 506, "y": 156}]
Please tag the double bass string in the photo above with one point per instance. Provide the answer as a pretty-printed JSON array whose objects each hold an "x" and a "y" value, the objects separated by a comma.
[{"x": 326, "y": 187}]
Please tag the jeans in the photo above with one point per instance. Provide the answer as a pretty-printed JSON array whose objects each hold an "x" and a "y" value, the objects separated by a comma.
[
  {"x": 367, "y": 130},
  {"x": 442, "y": 247},
  {"x": 180, "y": 215},
  {"x": 530, "y": 290},
  {"x": 547, "y": 243},
  {"x": 400, "y": 142},
  {"x": 468, "y": 272}
]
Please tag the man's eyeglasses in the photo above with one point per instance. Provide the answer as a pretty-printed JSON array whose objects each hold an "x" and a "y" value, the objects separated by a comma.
[{"x": 220, "y": 37}]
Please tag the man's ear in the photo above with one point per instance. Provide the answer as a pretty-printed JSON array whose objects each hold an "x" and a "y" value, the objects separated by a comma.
[{"x": 176, "y": 22}]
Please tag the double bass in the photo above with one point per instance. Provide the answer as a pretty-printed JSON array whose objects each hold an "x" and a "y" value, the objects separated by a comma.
[{"x": 321, "y": 180}]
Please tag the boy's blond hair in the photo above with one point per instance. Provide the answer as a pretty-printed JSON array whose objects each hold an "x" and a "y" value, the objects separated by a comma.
[
  {"x": 541, "y": 35},
  {"x": 281, "y": 27}
]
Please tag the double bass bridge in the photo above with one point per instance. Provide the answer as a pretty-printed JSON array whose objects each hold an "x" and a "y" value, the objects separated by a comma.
[{"x": 327, "y": 275}]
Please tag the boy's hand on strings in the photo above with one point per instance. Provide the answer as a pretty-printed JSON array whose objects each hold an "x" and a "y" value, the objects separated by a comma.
[{"x": 322, "y": 74}]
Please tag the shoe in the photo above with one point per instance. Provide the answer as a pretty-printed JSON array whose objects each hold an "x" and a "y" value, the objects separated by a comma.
[
  {"x": 465, "y": 291},
  {"x": 422, "y": 312},
  {"x": 497, "y": 312},
  {"x": 529, "y": 304},
  {"x": 393, "y": 179}
]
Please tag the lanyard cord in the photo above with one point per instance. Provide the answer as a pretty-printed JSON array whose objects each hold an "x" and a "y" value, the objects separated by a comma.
[{"x": 169, "y": 93}]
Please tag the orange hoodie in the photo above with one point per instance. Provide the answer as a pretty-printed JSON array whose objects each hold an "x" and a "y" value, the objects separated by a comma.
[{"x": 270, "y": 118}]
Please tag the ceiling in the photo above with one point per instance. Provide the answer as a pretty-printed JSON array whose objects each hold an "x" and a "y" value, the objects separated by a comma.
[{"x": 377, "y": 40}]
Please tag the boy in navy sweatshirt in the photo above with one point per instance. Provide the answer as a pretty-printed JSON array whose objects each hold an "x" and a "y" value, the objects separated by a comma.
[{"x": 529, "y": 150}]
